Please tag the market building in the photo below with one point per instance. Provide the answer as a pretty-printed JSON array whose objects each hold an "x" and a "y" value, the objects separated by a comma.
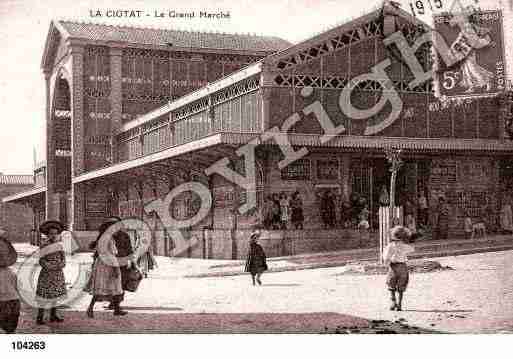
[{"x": 133, "y": 113}]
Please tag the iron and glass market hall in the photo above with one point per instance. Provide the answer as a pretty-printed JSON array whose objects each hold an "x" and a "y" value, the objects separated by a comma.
[{"x": 132, "y": 113}]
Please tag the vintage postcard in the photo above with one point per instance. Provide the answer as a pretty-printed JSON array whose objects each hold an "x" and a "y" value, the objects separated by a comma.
[{"x": 244, "y": 167}]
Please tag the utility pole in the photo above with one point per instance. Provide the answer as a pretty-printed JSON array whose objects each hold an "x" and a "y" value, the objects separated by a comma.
[{"x": 394, "y": 158}]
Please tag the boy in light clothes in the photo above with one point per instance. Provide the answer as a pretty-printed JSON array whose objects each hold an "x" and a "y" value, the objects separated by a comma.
[
  {"x": 396, "y": 257},
  {"x": 363, "y": 226}
]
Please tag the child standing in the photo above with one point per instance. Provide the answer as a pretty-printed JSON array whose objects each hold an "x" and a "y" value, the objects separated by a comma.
[
  {"x": 284, "y": 209},
  {"x": 9, "y": 299},
  {"x": 256, "y": 263},
  {"x": 363, "y": 226},
  {"x": 396, "y": 257}
]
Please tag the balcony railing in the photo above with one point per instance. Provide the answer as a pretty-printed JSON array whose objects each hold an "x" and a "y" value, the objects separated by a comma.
[{"x": 240, "y": 114}]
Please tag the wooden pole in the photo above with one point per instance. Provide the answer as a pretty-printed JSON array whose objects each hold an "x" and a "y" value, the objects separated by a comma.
[{"x": 394, "y": 157}]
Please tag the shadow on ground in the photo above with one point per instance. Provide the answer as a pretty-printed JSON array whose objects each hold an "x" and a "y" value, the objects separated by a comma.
[
  {"x": 438, "y": 311},
  {"x": 105, "y": 322}
]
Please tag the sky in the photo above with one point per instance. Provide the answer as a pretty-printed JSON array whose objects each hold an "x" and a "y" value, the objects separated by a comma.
[{"x": 24, "y": 26}]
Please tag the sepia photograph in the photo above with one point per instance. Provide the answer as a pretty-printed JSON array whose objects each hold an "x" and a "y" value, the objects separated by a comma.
[{"x": 272, "y": 167}]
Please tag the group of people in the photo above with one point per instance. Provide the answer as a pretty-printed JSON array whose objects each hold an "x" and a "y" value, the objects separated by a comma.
[
  {"x": 281, "y": 212},
  {"x": 116, "y": 268},
  {"x": 113, "y": 259},
  {"x": 354, "y": 211}
]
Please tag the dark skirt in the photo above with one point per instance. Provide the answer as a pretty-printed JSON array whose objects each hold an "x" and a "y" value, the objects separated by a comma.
[
  {"x": 9, "y": 315},
  {"x": 398, "y": 277},
  {"x": 125, "y": 276}
]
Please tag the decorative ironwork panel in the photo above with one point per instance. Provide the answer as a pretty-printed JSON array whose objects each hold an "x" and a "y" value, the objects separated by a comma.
[
  {"x": 145, "y": 81},
  {"x": 327, "y": 169},
  {"x": 236, "y": 90},
  {"x": 338, "y": 82},
  {"x": 370, "y": 30},
  {"x": 192, "y": 108},
  {"x": 97, "y": 71},
  {"x": 297, "y": 171}
]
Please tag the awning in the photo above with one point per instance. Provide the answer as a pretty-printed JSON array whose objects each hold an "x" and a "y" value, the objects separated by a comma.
[
  {"x": 381, "y": 143},
  {"x": 349, "y": 143},
  {"x": 169, "y": 153},
  {"x": 24, "y": 194}
]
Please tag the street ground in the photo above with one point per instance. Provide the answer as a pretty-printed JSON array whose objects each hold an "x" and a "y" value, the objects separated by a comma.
[{"x": 476, "y": 296}]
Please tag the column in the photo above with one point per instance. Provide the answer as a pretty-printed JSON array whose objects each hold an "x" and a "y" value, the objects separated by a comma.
[
  {"x": 115, "y": 98},
  {"x": 77, "y": 108},
  {"x": 235, "y": 214},
  {"x": 77, "y": 143},
  {"x": 171, "y": 92},
  {"x": 51, "y": 206},
  {"x": 78, "y": 203},
  {"x": 345, "y": 168},
  {"x": 265, "y": 92},
  {"x": 502, "y": 118}
]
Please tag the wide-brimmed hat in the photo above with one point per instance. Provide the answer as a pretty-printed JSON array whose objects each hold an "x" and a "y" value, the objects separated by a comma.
[
  {"x": 8, "y": 255},
  {"x": 46, "y": 226},
  {"x": 109, "y": 222},
  {"x": 399, "y": 233}
]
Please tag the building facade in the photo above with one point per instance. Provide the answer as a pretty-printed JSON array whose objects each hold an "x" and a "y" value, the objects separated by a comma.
[
  {"x": 16, "y": 218},
  {"x": 124, "y": 137}
]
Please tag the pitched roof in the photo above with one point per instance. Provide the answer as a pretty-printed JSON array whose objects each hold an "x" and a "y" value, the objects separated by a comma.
[
  {"x": 16, "y": 179},
  {"x": 183, "y": 39},
  {"x": 387, "y": 7}
]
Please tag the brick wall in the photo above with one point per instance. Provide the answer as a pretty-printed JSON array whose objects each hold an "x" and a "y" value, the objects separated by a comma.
[
  {"x": 15, "y": 218},
  {"x": 469, "y": 184},
  {"x": 218, "y": 243},
  {"x": 422, "y": 116}
]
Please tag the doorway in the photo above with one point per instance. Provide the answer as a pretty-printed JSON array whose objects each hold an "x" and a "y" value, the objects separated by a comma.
[{"x": 371, "y": 176}]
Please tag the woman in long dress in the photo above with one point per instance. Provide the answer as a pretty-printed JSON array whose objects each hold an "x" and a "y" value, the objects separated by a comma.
[
  {"x": 105, "y": 282},
  {"x": 51, "y": 285}
]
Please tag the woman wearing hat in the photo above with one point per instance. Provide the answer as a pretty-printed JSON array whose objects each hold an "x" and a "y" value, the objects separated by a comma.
[
  {"x": 105, "y": 282},
  {"x": 51, "y": 284},
  {"x": 9, "y": 299},
  {"x": 396, "y": 257},
  {"x": 256, "y": 263}
]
